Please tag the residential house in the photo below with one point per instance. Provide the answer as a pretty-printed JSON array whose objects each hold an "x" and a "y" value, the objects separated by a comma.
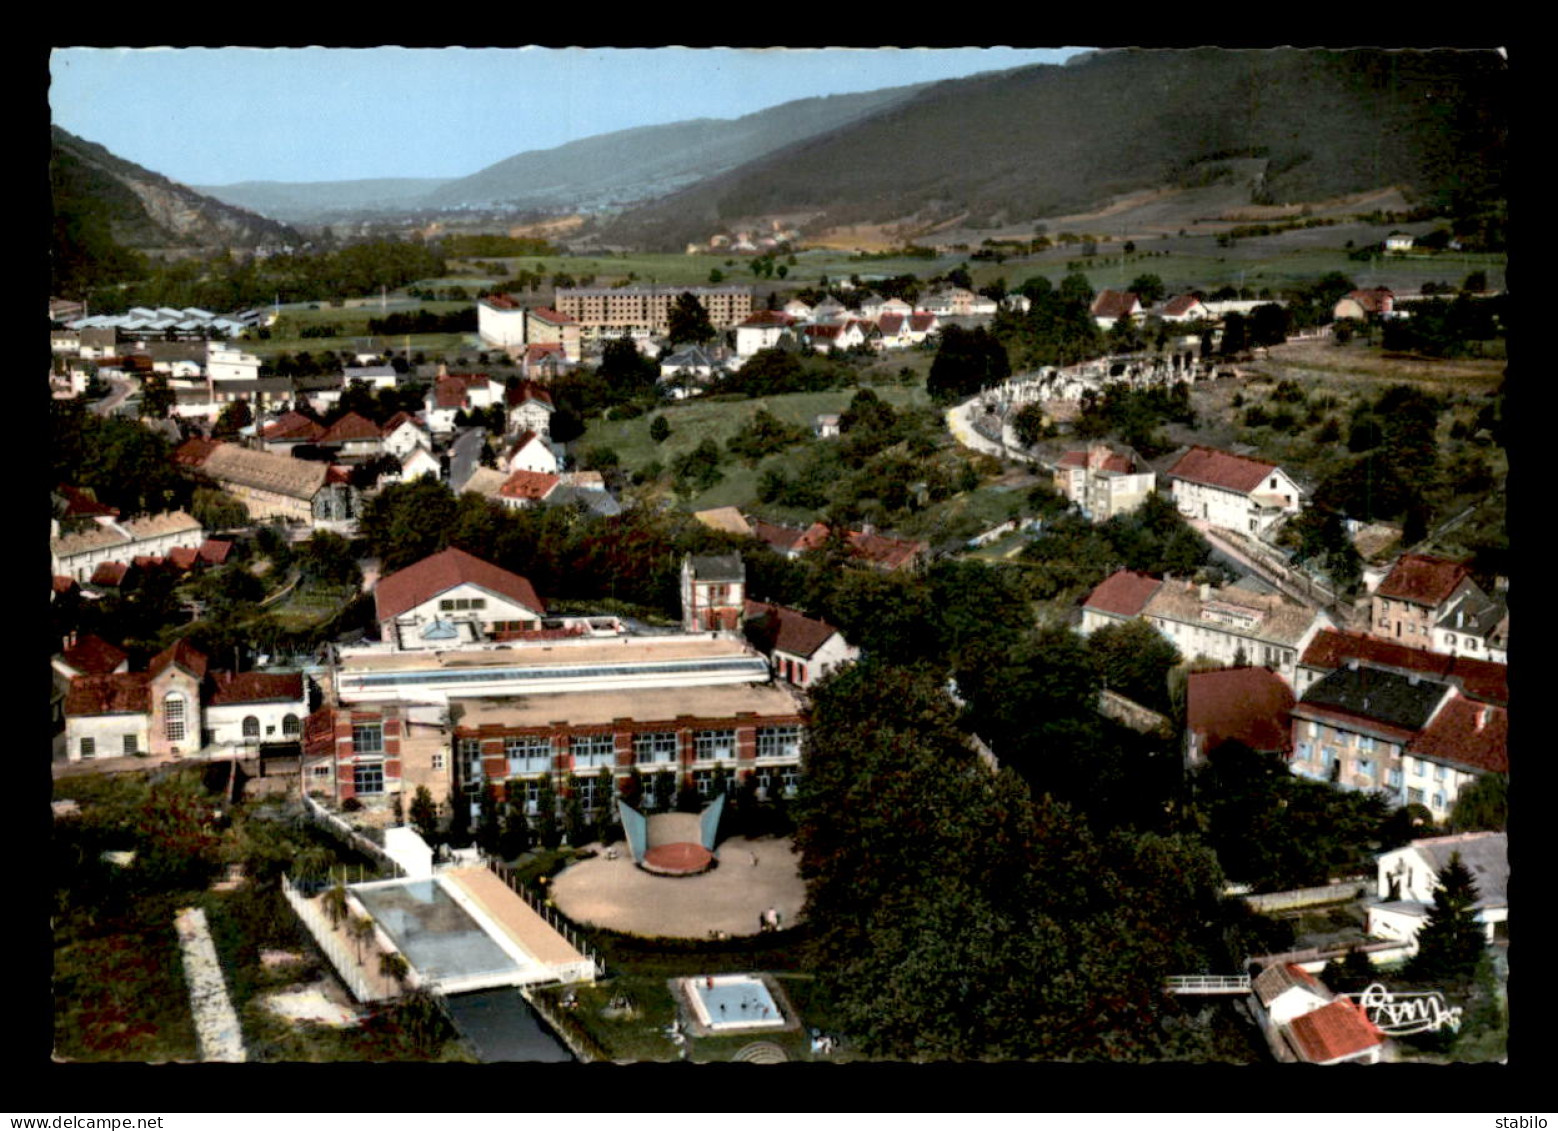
[
  {"x": 868, "y": 547},
  {"x": 530, "y": 451},
  {"x": 530, "y": 408},
  {"x": 763, "y": 329},
  {"x": 1245, "y": 705},
  {"x": 451, "y": 598},
  {"x": 799, "y": 311},
  {"x": 826, "y": 425},
  {"x": 1361, "y": 304},
  {"x": 1406, "y": 879},
  {"x": 402, "y": 434},
  {"x": 830, "y": 310},
  {"x": 484, "y": 481},
  {"x": 688, "y": 368},
  {"x": 180, "y": 706},
  {"x": 801, "y": 649},
  {"x": 527, "y": 488},
  {"x": 713, "y": 591},
  {"x": 454, "y": 393},
  {"x": 826, "y": 337},
  {"x": 1232, "y": 492},
  {"x": 544, "y": 361},
  {"x": 1111, "y": 306},
  {"x": 956, "y": 302},
  {"x": 375, "y": 377},
  {"x": 1398, "y": 242},
  {"x": 272, "y": 485},
  {"x": 500, "y": 321},
  {"x": 289, "y": 431},
  {"x": 419, "y": 463},
  {"x": 1417, "y": 741},
  {"x": 1119, "y": 598},
  {"x": 107, "y": 538},
  {"x": 1103, "y": 482},
  {"x": 1304, "y": 1021},
  {"x": 225, "y": 363},
  {"x": 1184, "y": 308},
  {"x": 1433, "y": 603},
  {"x": 1331, "y": 649},
  {"x": 781, "y": 539},
  {"x": 1234, "y": 626},
  {"x": 554, "y": 330},
  {"x": 352, "y": 437}
]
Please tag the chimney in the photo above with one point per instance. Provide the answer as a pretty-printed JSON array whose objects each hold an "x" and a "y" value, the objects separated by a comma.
[
  {"x": 1412, "y": 679},
  {"x": 1482, "y": 717},
  {"x": 1206, "y": 592},
  {"x": 1352, "y": 664}
]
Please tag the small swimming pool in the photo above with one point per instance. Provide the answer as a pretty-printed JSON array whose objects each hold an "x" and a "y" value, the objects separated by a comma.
[{"x": 724, "y": 1002}]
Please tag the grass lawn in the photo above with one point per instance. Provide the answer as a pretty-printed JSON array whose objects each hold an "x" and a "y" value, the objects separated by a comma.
[
  {"x": 719, "y": 419},
  {"x": 310, "y": 605}
]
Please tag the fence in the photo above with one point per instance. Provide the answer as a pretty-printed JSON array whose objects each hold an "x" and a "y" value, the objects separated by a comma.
[
  {"x": 326, "y": 820},
  {"x": 335, "y": 948},
  {"x": 553, "y": 919},
  {"x": 1347, "y": 890}
]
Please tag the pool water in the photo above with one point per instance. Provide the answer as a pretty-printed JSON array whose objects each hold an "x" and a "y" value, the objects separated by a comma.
[{"x": 733, "y": 1001}]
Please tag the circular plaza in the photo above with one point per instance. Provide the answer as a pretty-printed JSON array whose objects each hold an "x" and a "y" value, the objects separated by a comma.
[{"x": 748, "y": 878}]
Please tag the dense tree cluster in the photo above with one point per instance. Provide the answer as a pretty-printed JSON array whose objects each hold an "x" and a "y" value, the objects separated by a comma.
[
  {"x": 966, "y": 362},
  {"x": 1075, "y": 555},
  {"x": 1135, "y": 414},
  {"x": 1058, "y": 327},
  {"x": 962, "y": 915}
]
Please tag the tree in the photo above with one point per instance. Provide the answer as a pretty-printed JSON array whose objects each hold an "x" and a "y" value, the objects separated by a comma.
[
  {"x": 1134, "y": 660},
  {"x": 1451, "y": 941},
  {"x": 659, "y": 429},
  {"x": 1482, "y": 805},
  {"x": 966, "y": 362},
  {"x": 515, "y": 838},
  {"x": 157, "y": 397},
  {"x": 689, "y": 321},
  {"x": 1148, "y": 288},
  {"x": 217, "y": 510},
  {"x": 459, "y": 833},
  {"x": 488, "y": 822},
  {"x": 328, "y": 557},
  {"x": 424, "y": 814},
  {"x": 234, "y": 416},
  {"x": 625, "y": 370},
  {"x": 548, "y": 830}
]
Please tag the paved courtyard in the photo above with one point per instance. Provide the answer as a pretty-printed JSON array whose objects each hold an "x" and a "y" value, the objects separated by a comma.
[{"x": 731, "y": 897}]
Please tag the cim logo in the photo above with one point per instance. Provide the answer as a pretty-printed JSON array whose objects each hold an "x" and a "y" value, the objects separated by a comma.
[{"x": 1400, "y": 1015}]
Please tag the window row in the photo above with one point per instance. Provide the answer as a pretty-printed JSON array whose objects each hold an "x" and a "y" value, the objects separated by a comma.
[
  {"x": 461, "y": 604},
  {"x": 534, "y": 754}
]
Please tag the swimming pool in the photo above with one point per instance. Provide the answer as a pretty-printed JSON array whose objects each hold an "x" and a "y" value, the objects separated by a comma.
[{"x": 723, "y": 1002}]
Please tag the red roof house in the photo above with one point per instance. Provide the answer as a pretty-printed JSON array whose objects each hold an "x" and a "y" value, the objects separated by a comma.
[
  {"x": 405, "y": 589},
  {"x": 110, "y": 574},
  {"x": 1111, "y": 306},
  {"x": 116, "y": 693},
  {"x": 254, "y": 687},
  {"x": 351, "y": 428},
  {"x": 1123, "y": 594},
  {"x": 1334, "y": 1033},
  {"x": 92, "y": 655},
  {"x": 525, "y": 487},
  {"x": 1221, "y": 469},
  {"x": 214, "y": 551},
  {"x": 1423, "y": 580},
  {"x": 1479, "y": 679},
  {"x": 292, "y": 427},
  {"x": 1468, "y": 734},
  {"x": 1248, "y": 705}
]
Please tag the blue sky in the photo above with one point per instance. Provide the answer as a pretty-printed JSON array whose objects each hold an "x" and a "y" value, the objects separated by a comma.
[{"x": 213, "y": 116}]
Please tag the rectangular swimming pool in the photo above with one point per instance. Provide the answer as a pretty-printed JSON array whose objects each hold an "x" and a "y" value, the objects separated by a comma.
[
  {"x": 733, "y": 1001},
  {"x": 437, "y": 936}
]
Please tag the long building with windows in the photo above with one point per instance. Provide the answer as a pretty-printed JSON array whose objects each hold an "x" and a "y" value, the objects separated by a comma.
[
  {"x": 645, "y": 311},
  {"x": 562, "y": 705}
]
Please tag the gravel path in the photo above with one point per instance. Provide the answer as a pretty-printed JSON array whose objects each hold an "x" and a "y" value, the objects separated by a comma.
[{"x": 216, "y": 1025}]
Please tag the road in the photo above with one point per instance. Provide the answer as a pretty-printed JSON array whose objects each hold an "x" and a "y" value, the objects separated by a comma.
[
  {"x": 122, "y": 387},
  {"x": 960, "y": 422}
]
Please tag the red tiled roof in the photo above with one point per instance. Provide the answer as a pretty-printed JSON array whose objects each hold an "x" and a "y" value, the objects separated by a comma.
[
  {"x": 1221, "y": 469},
  {"x": 1248, "y": 705},
  {"x": 1123, "y": 593},
  {"x": 146, "y": 561},
  {"x": 335, "y": 473},
  {"x": 1422, "y": 579},
  {"x": 183, "y": 557},
  {"x": 1180, "y": 304},
  {"x": 879, "y": 550},
  {"x": 501, "y": 302},
  {"x": 79, "y": 504},
  {"x": 541, "y": 351},
  {"x": 1454, "y": 735},
  {"x": 92, "y": 655},
  {"x": 890, "y": 324},
  {"x": 319, "y": 734},
  {"x": 1375, "y": 300},
  {"x": 407, "y": 588},
  {"x": 769, "y": 318},
  {"x": 195, "y": 451},
  {"x": 522, "y": 484},
  {"x": 824, "y": 331},
  {"x": 182, "y": 653},
  {"x": 254, "y": 687},
  {"x": 120, "y": 693},
  {"x": 352, "y": 426},
  {"x": 786, "y": 630},
  {"x": 63, "y": 584},
  {"x": 547, "y": 314},
  {"x": 110, "y": 573},
  {"x": 1276, "y": 980},
  {"x": 1114, "y": 304},
  {"x": 1333, "y": 1031},
  {"x": 921, "y": 320},
  {"x": 214, "y": 551},
  {"x": 529, "y": 390},
  {"x": 293, "y": 426},
  {"x": 397, "y": 420},
  {"x": 1480, "y": 679},
  {"x": 781, "y": 538}
]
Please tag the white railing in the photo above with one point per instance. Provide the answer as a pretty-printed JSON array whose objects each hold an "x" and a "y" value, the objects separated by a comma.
[
  {"x": 1208, "y": 984},
  {"x": 586, "y": 971},
  {"x": 341, "y": 955}
]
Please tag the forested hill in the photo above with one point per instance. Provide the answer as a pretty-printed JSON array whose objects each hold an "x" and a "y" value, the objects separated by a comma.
[
  {"x": 138, "y": 208},
  {"x": 649, "y": 161},
  {"x": 1040, "y": 141}
]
